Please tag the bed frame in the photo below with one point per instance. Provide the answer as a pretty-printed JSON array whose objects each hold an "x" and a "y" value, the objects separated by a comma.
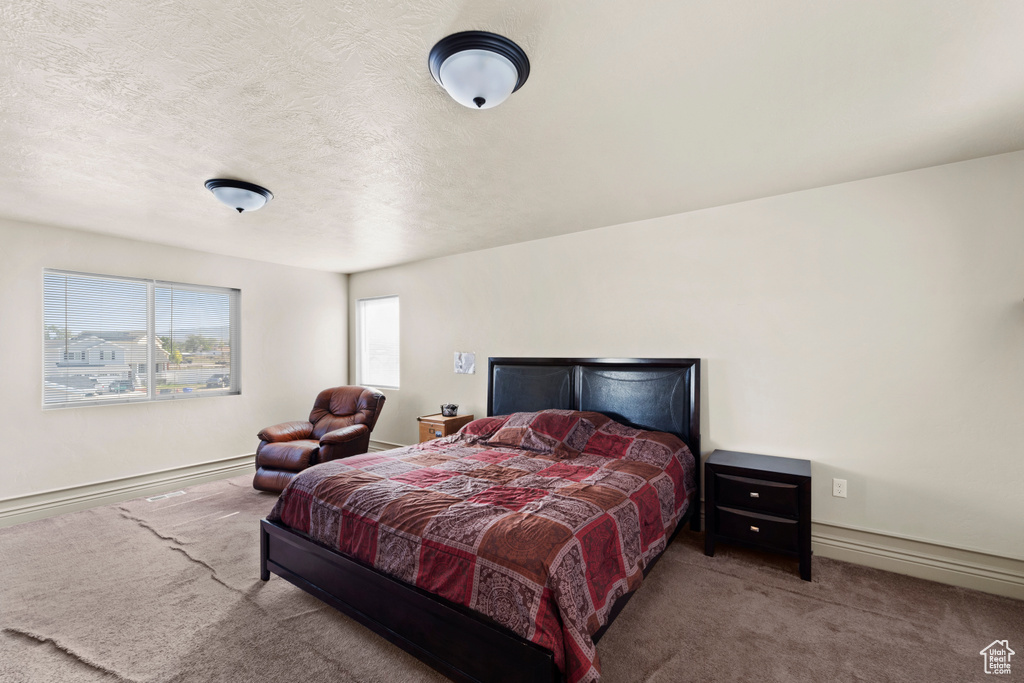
[{"x": 659, "y": 394}]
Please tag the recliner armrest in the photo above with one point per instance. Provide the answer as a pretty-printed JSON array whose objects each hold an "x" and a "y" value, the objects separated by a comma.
[
  {"x": 344, "y": 442},
  {"x": 287, "y": 431},
  {"x": 345, "y": 434}
]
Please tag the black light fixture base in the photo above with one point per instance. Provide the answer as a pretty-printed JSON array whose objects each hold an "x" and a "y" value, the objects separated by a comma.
[
  {"x": 214, "y": 183},
  {"x": 479, "y": 40},
  {"x": 238, "y": 194}
]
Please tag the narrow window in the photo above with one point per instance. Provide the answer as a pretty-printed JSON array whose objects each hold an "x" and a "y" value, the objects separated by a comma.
[{"x": 377, "y": 342}]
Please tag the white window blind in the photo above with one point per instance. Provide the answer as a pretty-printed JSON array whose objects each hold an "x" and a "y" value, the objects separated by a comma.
[
  {"x": 197, "y": 336},
  {"x": 377, "y": 346},
  {"x": 113, "y": 340}
]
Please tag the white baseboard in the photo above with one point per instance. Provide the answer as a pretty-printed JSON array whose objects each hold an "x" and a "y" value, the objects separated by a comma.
[
  {"x": 59, "y": 501},
  {"x": 376, "y": 446},
  {"x": 926, "y": 560}
]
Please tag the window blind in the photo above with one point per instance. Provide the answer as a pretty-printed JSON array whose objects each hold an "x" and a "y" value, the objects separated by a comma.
[
  {"x": 196, "y": 333},
  {"x": 377, "y": 342},
  {"x": 113, "y": 340}
]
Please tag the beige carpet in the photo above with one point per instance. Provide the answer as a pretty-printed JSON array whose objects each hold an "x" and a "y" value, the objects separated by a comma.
[{"x": 170, "y": 591}]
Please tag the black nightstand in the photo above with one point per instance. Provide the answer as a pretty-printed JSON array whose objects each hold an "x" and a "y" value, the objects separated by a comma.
[{"x": 760, "y": 501}]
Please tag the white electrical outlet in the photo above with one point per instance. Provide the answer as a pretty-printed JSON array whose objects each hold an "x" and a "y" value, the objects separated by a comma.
[{"x": 839, "y": 488}]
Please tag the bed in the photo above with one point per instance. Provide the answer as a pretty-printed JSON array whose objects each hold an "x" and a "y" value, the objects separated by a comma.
[{"x": 455, "y": 627}]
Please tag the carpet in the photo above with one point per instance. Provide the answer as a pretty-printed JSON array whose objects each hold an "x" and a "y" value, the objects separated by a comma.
[{"x": 168, "y": 590}]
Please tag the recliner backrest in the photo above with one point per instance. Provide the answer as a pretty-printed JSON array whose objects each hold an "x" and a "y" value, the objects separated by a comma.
[{"x": 344, "y": 406}]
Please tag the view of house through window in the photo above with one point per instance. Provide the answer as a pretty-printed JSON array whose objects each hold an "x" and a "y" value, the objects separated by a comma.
[
  {"x": 377, "y": 341},
  {"x": 194, "y": 330},
  {"x": 109, "y": 339}
]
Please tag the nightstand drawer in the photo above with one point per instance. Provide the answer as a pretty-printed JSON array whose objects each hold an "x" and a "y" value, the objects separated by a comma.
[
  {"x": 759, "y": 495},
  {"x": 430, "y": 430},
  {"x": 437, "y": 426},
  {"x": 764, "y": 530}
]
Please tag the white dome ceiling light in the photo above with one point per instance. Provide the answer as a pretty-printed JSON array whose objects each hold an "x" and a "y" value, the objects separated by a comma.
[
  {"x": 479, "y": 69},
  {"x": 238, "y": 194}
]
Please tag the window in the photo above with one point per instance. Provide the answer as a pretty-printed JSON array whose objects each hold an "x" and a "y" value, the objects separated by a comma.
[
  {"x": 377, "y": 341},
  {"x": 115, "y": 340},
  {"x": 195, "y": 334}
]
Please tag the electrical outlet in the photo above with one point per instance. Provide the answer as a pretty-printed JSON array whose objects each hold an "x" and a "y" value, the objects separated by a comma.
[{"x": 839, "y": 488}]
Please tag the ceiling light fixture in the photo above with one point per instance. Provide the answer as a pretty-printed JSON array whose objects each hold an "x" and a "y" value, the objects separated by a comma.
[
  {"x": 238, "y": 194},
  {"x": 479, "y": 69}
]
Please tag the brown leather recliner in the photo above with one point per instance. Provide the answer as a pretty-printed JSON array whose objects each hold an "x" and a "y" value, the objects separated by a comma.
[{"x": 339, "y": 426}]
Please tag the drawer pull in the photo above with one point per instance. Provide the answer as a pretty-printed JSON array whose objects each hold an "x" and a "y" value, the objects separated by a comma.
[
  {"x": 754, "y": 528},
  {"x": 755, "y": 494}
]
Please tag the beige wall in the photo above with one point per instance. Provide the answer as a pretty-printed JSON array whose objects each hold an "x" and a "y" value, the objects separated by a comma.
[
  {"x": 875, "y": 327},
  {"x": 293, "y": 344}
]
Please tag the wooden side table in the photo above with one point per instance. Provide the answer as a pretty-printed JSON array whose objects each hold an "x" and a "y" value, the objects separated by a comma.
[
  {"x": 436, "y": 426},
  {"x": 759, "y": 501}
]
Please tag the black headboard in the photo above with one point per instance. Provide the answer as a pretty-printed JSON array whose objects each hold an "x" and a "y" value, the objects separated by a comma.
[{"x": 659, "y": 394}]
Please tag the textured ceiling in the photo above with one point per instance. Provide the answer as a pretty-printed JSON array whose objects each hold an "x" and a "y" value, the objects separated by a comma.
[{"x": 113, "y": 113}]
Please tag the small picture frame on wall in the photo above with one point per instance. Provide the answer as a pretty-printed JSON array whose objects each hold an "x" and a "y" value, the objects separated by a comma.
[{"x": 465, "y": 363}]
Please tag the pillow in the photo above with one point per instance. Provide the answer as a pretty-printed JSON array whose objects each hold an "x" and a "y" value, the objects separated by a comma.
[
  {"x": 561, "y": 433},
  {"x": 614, "y": 440},
  {"x": 482, "y": 428}
]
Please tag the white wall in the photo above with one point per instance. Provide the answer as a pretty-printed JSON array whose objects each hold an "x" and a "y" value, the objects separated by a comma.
[
  {"x": 294, "y": 344},
  {"x": 875, "y": 327}
]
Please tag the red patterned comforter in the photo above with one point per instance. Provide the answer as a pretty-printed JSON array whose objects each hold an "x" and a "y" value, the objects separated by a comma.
[{"x": 542, "y": 542}]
